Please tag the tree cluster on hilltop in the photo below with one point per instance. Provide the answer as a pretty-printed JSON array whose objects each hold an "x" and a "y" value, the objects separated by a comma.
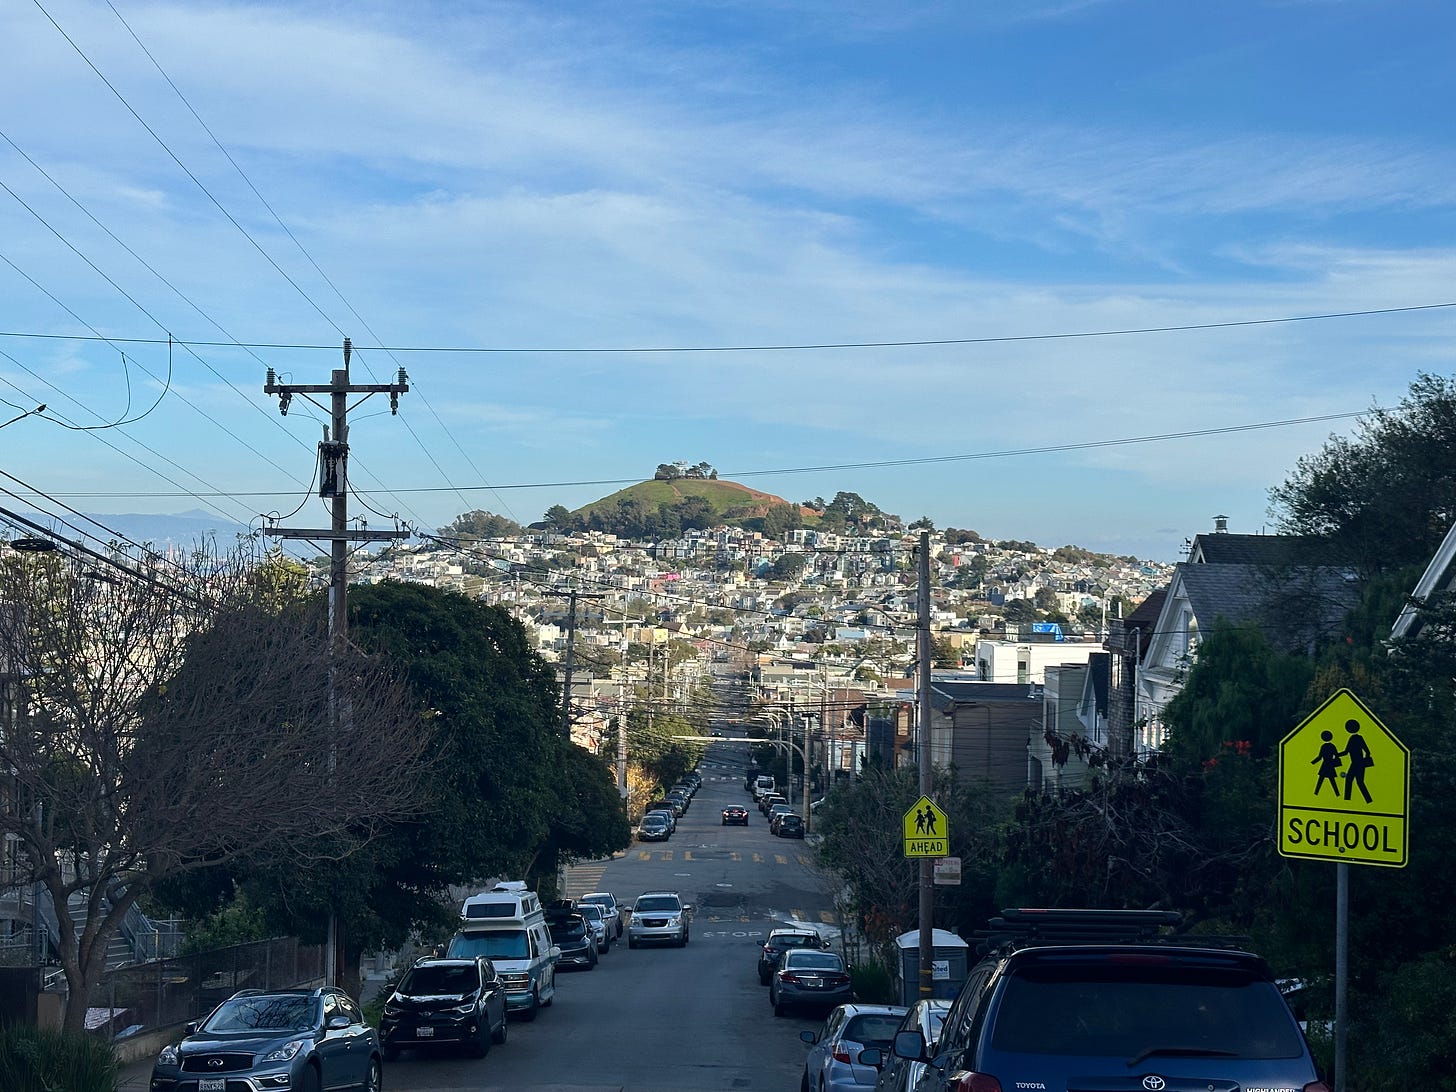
[
  {"x": 1194, "y": 828},
  {"x": 669, "y": 472}
]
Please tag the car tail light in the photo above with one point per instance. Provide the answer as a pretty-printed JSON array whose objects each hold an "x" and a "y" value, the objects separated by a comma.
[
  {"x": 976, "y": 1082},
  {"x": 841, "y": 1055},
  {"x": 788, "y": 976}
]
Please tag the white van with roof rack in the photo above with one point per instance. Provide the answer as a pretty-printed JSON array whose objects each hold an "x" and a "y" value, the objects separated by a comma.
[{"x": 508, "y": 926}]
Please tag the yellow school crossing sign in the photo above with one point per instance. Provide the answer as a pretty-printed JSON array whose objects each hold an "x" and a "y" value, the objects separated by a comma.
[
  {"x": 1344, "y": 787},
  {"x": 927, "y": 832}
]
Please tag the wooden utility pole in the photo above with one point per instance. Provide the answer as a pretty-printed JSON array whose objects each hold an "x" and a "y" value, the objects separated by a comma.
[
  {"x": 572, "y": 597},
  {"x": 333, "y": 479},
  {"x": 922, "y": 754}
]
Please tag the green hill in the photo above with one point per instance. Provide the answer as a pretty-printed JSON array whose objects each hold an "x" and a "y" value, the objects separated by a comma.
[{"x": 730, "y": 501}]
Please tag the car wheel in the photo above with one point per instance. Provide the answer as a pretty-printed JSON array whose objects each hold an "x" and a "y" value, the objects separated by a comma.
[
  {"x": 592, "y": 965},
  {"x": 479, "y": 1047},
  {"x": 529, "y": 1012},
  {"x": 498, "y": 1036},
  {"x": 762, "y": 979},
  {"x": 310, "y": 1081},
  {"x": 779, "y": 1008},
  {"x": 631, "y": 942},
  {"x": 804, "y": 1083},
  {"x": 374, "y": 1079}
]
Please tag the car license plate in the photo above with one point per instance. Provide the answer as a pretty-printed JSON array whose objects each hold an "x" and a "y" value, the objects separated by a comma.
[
  {"x": 212, "y": 1084},
  {"x": 814, "y": 983},
  {"x": 425, "y": 1033}
]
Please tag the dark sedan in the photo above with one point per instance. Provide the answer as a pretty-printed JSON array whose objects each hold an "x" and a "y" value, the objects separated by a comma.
[
  {"x": 576, "y": 938},
  {"x": 809, "y": 977},
  {"x": 735, "y": 815},
  {"x": 790, "y": 826}
]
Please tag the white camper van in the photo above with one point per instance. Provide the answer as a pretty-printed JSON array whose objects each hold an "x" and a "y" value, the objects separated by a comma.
[{"x": 508, "y": 927}]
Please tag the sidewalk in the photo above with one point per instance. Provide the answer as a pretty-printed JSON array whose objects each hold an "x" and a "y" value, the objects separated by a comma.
[{"x": 135, "y": 1077}]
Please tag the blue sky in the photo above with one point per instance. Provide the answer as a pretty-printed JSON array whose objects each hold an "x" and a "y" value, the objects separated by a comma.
[{"x": 589, "y": 178}]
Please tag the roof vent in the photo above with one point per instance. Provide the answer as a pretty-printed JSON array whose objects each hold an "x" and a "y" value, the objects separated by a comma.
[{"x": 1220, "y": 525}]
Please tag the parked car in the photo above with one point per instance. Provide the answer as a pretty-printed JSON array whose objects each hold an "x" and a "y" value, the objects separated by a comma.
[
  {"x": 611, "y": 909},
  {"x": 901, "y": 1074},
  {"x": 833, "y": 1063},
  {"x": 653, "y": 828},
  {"x": 1130, "y": 1008},
  {"x": 809, "y": 977},
  {"x": 596, "y": 919},
  {"x": 768, "y": 800},
  {"x": 780, "y": 941},
  {"x": 451, "y": 1001},
  {"x": 668, "y": 814},
  {"x": 576, "y": 938},
  {"x": 276, "y": 1039},
  {"x": 735, "y": 815},
  {"x": 681, "y": 800},
  {"x": 774, "y": 813},
  {"x": 658, "y": 917},
  {"x": 790, "y": 825}
]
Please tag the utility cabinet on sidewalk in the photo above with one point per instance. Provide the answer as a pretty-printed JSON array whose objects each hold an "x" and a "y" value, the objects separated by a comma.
[{"x": 949, "y": 956}]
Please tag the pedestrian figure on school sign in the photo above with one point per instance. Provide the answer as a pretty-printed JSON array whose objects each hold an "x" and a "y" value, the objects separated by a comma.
[
  {"x": 1358, "y": 752},
  {"x": 929, "y": 821},
  {"x": 1328, "y": 761},
  {"x": 920, "y": 822}
]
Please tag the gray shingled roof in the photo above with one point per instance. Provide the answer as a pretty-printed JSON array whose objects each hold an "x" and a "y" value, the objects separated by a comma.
[
  {"x": 1295, "y": 607},
  {"x": 1222, "y": 548}
]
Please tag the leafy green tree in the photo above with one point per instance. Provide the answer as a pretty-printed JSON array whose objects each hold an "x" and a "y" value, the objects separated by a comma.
[
  {"x": 508, "y": 796},
  {"x": 696, "y": 513},
  {"x": 788, "y": 566},
  {"x": 781, "y": 518},
  {"x": 560, "y": 519},
  {"x": 480, "y": 524},
  {"x": 1385, "y": 497}
]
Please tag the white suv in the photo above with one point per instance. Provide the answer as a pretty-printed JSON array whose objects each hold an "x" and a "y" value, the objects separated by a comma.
[{"x": 659, "y": 916}]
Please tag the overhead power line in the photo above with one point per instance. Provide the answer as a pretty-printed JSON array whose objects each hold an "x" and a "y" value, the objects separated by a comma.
[{"x": 1068, "y": 335}]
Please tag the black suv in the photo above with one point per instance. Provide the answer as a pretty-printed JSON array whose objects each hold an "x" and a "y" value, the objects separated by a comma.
[
  {"x": 1107, "y": 1001},
  {"x": 445, "y": 1001}
]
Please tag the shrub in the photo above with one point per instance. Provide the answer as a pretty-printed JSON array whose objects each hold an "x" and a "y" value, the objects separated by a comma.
[
  {"x": 872, "y": 984},
  {"x": 35, "y": 1060}
]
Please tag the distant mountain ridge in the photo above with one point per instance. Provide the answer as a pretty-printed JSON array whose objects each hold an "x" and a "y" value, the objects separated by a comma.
[{"x": 182, "y": 529}]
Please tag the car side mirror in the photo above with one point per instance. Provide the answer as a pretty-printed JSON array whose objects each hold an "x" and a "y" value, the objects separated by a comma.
[
  {"x": 809, "y": 1037},
  {"x": 189, "y": 1028},
  {"x": 872, "y": 1056},
  {"x": 555, "y": 952},
  {"x": 910, "y": 1044},
  {"x": 338, "y": 1022}
]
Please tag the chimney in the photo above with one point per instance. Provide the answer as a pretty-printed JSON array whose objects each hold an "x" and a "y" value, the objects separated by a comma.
[{"x": 1220, "y": 525}]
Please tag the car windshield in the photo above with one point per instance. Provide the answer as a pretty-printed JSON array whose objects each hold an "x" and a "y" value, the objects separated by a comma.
[
  {"x": 597, "y": 900},
  {"x": 802, "y": 959},
  {"x": 872, "y": 1028},
  {"x": 494, "y": 944},
  {"x": 439, "y": 981},
  {"x": 658, "y": 902},
  {"x": 654, "y": 822},
  {"x": 1127, "y": 1011},
  {"x": 794, "y": 940},
  {"x": 591, "y": 910},
  {"x": 934, "y": 1021},
  {"x": 568, "y": 930},
  {"x": 265, "y": 1012}
]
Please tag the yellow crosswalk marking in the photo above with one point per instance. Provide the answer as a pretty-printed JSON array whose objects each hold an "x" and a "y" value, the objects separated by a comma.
[
  {"x": 779, "y": 858},
  {"x": 687, "y": 855},
  {"x": 758, "y": 858},
  {"x": 643, "y": 855},
  {"x": 666, "y": 855},
  {"x": 798, "y": 915},
  {"x": 735, "y": 856},
  {"x": 804, "y": 860}
]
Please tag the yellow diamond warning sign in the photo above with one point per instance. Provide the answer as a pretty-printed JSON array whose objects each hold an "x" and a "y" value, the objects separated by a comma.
[
  {"x": 1344, "y": 787},
  {"x": 927, "y": 832}
]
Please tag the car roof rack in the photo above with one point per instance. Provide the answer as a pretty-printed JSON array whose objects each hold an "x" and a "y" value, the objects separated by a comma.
[{"x": 1032, "y": 926}]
